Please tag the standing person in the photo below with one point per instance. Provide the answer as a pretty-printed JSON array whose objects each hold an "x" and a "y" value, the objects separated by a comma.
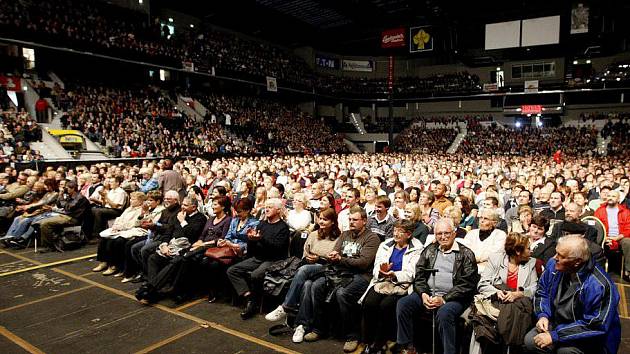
[
  {"x": 267, "y": 243},
  {"x": 576, "y": 304},
  {"x": 455, "y": 282},
  {"x": 171, "y": 180},
  {"x": 393, "y": 273}
]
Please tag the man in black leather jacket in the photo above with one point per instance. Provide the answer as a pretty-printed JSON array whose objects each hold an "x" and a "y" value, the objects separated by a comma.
[{"x": 455, "y": 284}]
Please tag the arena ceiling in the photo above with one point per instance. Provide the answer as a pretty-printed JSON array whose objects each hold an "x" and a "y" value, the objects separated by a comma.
[{"x": 354, "y": 26}]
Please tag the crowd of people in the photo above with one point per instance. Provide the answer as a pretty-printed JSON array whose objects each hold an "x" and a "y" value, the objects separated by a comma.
[
  {"x": 142, "y": 123},
  {"x": 17, "y": 131},
  {"x": 410, "y": 86},
  {"x": 508, "y": 236},
  {"x": 105, "y": 28},
  {"x": 418, "y": 139},
  {"x": 271, "y": 126},
  {"x": 497, "y": 139}
]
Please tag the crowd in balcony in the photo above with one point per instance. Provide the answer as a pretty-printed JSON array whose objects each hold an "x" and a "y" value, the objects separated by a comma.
[{"x": 418, "y": 139}]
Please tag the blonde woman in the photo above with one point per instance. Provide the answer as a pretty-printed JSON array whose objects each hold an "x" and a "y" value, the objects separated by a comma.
[{"x": 299, "y": 218}]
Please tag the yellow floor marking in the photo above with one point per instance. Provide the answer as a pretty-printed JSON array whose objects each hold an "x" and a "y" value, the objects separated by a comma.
[
  {"x": 45, "y": 299},
  {"x": 168, "y": 340},
  {"x": 19, "y": 341}
]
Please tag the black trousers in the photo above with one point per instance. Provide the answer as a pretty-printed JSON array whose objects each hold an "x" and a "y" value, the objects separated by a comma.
[
  {"x": 130, "y": 266},
  {"x": 379, "y": 317},
  {"x": 100, "y": 217},
  {"x": 162, "y": 272},
  {"x": 112, "y": 251}
]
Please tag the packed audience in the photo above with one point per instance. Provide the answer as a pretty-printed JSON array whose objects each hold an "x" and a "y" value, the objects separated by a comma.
[
  {"x": 619, "y": 133},
  {"x": 510, "y": 238},
  {"x": 274, "y": 127},
  {"x": 436, "y": 85},
  {"x": 418, "y": 139},
  {"x": 142, "y": 123},
  {"x": 96, "y": 26},
  {"x": 17, "y": 131},
  {"x": 497, "y": 139}
]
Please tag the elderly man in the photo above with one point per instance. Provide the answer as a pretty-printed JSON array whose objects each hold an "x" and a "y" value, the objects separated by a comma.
[
  {"x": 455, "y": 284},
  {"x": 148, "y": 182},
  {"x": 354, "y": 256},
  {"x": 487, "y": 239},
  {"x": 616, "y": 219},
  {"x": 575, "y": 303},
  {"x": 189, "y": 225},
  {"x": 268, "y": 243}
]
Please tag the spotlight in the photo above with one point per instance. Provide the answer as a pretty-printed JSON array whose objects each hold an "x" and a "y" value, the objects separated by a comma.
[
  {"x": 575, "y": 62},
  {"x": 518, "y": 124}
]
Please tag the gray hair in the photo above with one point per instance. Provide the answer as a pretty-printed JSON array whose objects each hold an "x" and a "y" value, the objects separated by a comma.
[
  {"x": 492, "y": 214},
  {"x": 445, "y": 222},
  {"x": 192, "y": 201},
  {"x": 577, "y": 246},
  {"x": 172, "y": 194}
]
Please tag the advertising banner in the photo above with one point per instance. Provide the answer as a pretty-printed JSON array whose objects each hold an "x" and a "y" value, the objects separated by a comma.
[
  {"x": 272, "y": 84},
  {"x": 358, "y": 65},
  {"x": 531, "y": 86},
  {"x": 393, "y": 38},
  {"x": 579, "y": 18},
  {"x": 327, "y": 62},
  {"x": 11, "y": 83},
  {"x": 420, "y": 39}
]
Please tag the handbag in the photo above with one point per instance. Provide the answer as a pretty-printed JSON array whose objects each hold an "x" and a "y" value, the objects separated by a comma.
[
  {"x": 223, "y": 255},
  {"x": 387, "y": 287}
]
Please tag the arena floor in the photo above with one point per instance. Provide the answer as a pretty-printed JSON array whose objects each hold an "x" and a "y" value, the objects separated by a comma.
[{"x": 53, "y": 303}]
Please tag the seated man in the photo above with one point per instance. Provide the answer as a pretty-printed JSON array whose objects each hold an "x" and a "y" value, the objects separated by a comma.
[
  {"x": 69, "y": 211},
  {"x": 112, "y": 203},
  {"x": 160, "y": 231},
  {"x": 268, "y": 243},
  {"x": 353, "y": 254},
  {"x": 616, "y": 219},
  {"x": 11, "y": 193},
  {"x": 487, "y": 239},
  {"x": 575, "y": 303},
  {"x": 455, "y": 284},
  {"x": 189, "y": 225}
]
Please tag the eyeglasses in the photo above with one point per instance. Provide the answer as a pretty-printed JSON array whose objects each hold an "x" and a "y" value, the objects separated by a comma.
[{"x": 445, "y": 233}]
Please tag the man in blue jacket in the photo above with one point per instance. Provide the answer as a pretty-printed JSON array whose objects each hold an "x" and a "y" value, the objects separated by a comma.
[{"x": 576, "y": 304}]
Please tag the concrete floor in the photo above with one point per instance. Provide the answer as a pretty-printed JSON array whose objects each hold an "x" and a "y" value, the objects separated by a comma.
[{"x": 53, "y": 303}]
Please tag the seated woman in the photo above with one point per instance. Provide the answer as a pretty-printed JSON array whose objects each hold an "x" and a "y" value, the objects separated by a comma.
[
  {"x": 393, "y": 274},
  {"x": 414, "y": 214},
  {"x": 20, "y": 228},
  {"x": 235, "y": 238},
  {"x": 318, "y": 246},
  {"x": 215, "y": 229},
  {"x": 508, "y": 277},
  {"x": 110, "y": 251},
  {"x": 469, "y": 211},
  {"x": 151, "y": 211},
  {"x": 521, "y": 225},
  {"x": 299, "y": 219}
]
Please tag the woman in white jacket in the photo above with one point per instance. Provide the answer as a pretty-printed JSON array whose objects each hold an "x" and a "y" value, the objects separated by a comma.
[
  {"x": 514, "y": 269},
  {"x": 393, "y": 275}
]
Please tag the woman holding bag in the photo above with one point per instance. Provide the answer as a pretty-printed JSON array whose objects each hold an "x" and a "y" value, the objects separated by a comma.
[
  {"x": 235, "y": 239},
  {"x": 393, "y": 274}
]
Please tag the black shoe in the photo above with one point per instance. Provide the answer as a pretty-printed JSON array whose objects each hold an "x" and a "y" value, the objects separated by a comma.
[
  {"x": 250, "y": 310},
  {"x": 180, "y": 299}
]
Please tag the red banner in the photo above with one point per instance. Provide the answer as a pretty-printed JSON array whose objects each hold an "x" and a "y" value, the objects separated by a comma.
[
  {"x": 531, "y": 109},
  {"x": 394, "y": 38},
  {"x": 11, "y": 83}
]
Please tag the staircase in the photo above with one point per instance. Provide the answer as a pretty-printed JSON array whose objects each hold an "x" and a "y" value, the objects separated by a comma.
[
  {"x": 357, "y": 121},
  {"x": 602, "y": 144},
  {"x": 463, "y": 131}
]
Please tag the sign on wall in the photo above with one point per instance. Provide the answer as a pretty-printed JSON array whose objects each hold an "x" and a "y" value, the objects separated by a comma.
[
  {"x": 272, "y": 84},
  {"x": 393, "y": 38},
  {"x": 420, "y": 39},
  {"x": 327, "y": 62},
  {"x": 358, "y": 65}
]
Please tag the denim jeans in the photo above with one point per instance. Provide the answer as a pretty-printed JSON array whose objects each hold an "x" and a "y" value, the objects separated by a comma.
[
  {"x": 304, "y": 273},
  {"x": 25, "y": 229},
  {"x": 445, "y": 321}
]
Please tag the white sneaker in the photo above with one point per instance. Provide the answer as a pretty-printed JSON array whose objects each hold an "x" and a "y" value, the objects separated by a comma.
[
  {"x": 298, "y": 335},
  {"x": 276, "y": 315}
]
